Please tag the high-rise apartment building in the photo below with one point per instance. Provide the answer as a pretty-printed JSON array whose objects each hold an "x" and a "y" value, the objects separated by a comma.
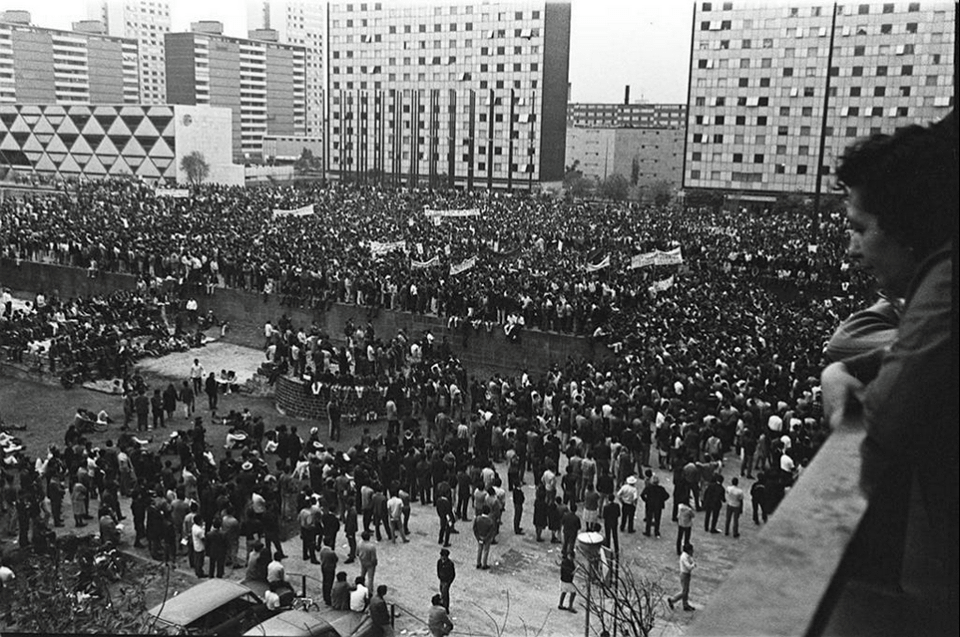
[
  {"x": 146, "y": 21},
  {"x": 301, "y": 24},
  {"x": 51, "y": 66},
  {"x": 262, "y": 82},
  {"x": 762, "y": 75},
  {"x": 594, "y": 115},
  {"x": 465, "y": 93}
]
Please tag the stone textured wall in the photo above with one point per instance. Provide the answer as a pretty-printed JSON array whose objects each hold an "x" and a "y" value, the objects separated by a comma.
[
  {"x": 295, "y": 399},
  {"x": 483, "y": 353}
]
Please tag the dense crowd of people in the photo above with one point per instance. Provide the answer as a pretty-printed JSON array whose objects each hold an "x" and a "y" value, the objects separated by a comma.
[{"x": 726, "y": 359}]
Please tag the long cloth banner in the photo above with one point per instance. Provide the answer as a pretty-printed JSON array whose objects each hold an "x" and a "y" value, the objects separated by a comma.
[
  {"x": 657, "y": 257},
  {"x": 296, "y": 212},
  {"x": 469, "y": 212},
  {"x": 380, "y": 248},
  {"x": 416, "y": 265},
  {"x": 463, "y": 266}
]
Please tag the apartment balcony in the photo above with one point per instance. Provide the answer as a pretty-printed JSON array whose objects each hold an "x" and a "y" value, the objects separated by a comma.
[{"x": 810, "y": 571}]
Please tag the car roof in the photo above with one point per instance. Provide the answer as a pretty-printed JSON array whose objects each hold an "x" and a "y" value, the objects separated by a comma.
[
  {"x": 197, "y": 601},
  {"x": 294, "y": 623}
]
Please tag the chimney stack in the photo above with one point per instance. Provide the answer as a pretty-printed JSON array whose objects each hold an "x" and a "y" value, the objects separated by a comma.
[{"x": 626, "y": 95}]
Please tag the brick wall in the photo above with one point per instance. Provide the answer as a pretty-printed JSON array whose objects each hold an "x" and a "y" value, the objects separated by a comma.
[{"x": 482, "y": 353}]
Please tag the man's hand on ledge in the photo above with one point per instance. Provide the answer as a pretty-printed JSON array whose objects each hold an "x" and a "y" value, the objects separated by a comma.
[{"x": 842, "y": 395}]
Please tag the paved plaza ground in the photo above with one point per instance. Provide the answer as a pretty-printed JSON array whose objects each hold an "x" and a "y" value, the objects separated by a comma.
[{"x": 517, "y": 596}]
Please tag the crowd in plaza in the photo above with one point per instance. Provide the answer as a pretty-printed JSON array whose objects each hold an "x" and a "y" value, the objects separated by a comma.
[{"x": 713, "y": 366}]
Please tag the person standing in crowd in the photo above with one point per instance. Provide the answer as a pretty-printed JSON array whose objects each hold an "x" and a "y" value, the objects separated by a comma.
[
  {"x": 628, "y": 496},
  {"x": 447, "y": 519},
  {"x": 484, "y": 530},
  {"x": 367, "y": 554},
  {"x": 196, "y": 376},
  {"x": 188, "y": 398},
  {"x": 713, "y": 497},
  {"x": 328, "y": 568},
  {"x": 379, "y": 613},
  {"x": 685, "y": 515},
  {"x": 571, "y": 527},
  {"x": 438, "y": 620},
  {"x": 734, "y": 500},
  {"x": 446, "y": 573},
  {"x": 611, "y": 516},
  {"x": 212, "y": 389},
  {"x": 216, "y": 543},
  {"x": 687, "y": 564},
  {"x": 518, "y": 499},
  {"x": 567, "y": 570},
  {"x": 340, "y": 593},
  {"x": 655, "y": 498}
]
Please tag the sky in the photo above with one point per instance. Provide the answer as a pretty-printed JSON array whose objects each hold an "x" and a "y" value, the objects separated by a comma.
[{"x": 613, "y": 43}]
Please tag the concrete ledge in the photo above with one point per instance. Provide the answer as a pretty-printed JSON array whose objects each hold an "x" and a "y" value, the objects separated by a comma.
[{"x": 782, "y": 581}]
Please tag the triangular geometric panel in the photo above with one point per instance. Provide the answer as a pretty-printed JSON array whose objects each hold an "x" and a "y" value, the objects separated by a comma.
[
  {"x": 93, "y": 127},
  {"x": 81, "y": 147},
  {"x": 94, "y": 167},
  {"x": 44, "y": 138},
  {"x": 76, "y": 111},
  {"x": 31, "y": 109},
  {"x": 105, "y": 110},
  {"x": 21, "y": 138},
  {"x": 163, "y": 163},
  {"x": 163, "y": 123},
  {"x": 170, "y": 140},
  {"x": 106, "y": 147},
  {"x": 147, "y": 169},
  {"x": 161, "y": 149},
  {"x": 68, "y": 139},
  {"x": 120, "y": 167},
  {"x": 81, "y": 159},
  {"x": 79, "y": 120},
  {"x": 134, "y": 162},
  {"x": 45, "y": 164},
  {"x": 132, "y": 121},
  {"x": 56, "y": 145},
  {"x": 55, "y": 120},
  {"x": 44, "y": 126},
  {"x": 119, "y": 141},
  {"x": 133, "y": 149},
  {"x": 119, "y": 127},
  {"x": 93, "y": 140},
  {"x": 69, "y": 166},
  {"x": 34, "y": 156},
  {"x": 32, "y": 144},
  {"x": 146, "y": 129},
  {"x": 8, "y": 117},
  {"x": 106, "y": 120},
  {"x": 106, "y": 160},
  {"x": 68, "y": 127},
  {"x": 30, "y": 118},
  {"x": 20, "y": 126},
  {"x": 8, "y": 142},
  {"x": 57, "y": 158}
]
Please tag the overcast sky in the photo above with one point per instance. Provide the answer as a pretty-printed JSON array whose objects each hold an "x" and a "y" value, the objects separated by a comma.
[{"x": 613, "y": 43}]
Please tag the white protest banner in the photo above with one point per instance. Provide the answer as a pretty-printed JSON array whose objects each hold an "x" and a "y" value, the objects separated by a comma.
[
  {"x": 296, "y": 212},
  {"x": 380, "y": 248},
  {"x": 670, "y": 257},
  {"x": 176, "y": 193},
  {"x": 603, "y": 263},
  {"x": 644, "y": 260},
  {"x": 463, "y": 266},
  {"x": 416, "y": 265},
  {"x": 454, "y": 214},
  {"x": 664, "y": 284}
]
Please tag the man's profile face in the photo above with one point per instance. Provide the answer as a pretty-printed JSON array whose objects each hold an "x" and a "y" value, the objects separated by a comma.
[{"x": 890, "y": 262}]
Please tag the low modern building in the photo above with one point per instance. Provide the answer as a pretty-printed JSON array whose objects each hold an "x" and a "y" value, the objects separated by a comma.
[
  {"x": 644, "y": 156},
  {"x": 641, "y": 115},
  {"x": 96, "y": 141}
]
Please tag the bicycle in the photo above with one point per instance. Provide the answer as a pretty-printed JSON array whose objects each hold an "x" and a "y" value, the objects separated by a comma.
[{"x": 306, "y": 604}]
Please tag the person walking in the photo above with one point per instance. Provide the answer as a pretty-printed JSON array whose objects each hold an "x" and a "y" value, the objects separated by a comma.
[
  {"x": 446, "y": 573},
  {"x": 438, "y": 620},
  {"x": 196, "y": 376},
  {"x": 687, "y": 564}
]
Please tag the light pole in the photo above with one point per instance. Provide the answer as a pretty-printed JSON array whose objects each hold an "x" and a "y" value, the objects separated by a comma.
[{"x": 590, "y": 544}]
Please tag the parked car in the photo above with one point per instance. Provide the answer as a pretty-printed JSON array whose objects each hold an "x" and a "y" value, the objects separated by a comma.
[{"x": 213, "y": 607}]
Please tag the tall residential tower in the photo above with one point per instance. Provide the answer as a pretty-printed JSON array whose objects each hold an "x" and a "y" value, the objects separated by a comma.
[{"x": 146, "y": 21}]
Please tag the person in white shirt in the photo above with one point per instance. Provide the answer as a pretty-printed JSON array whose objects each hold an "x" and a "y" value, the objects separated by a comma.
[
  {"x": 734, "y": 500},
  {"x": 359, "y": 596},
  {"x": 275, "y": 571},
  {"x": 687, "y": 564}
]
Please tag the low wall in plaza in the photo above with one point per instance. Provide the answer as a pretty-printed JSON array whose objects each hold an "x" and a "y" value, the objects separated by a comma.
[{"x": 482, "y": 352}]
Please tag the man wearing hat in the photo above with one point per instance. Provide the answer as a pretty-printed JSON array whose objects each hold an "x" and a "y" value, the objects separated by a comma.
[
  {"x": 446, "y": 573},
  {"x": 628, "y": 497}
]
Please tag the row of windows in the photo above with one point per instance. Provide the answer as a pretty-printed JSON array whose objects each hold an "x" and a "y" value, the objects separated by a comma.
[
  {"x": 437, "y": 77},
  {"x": 516, "y": 67},
  {"x": 795, "y": 12},
  {"x": 533, "y": 50},
  {"x": 451, "y": 9}
]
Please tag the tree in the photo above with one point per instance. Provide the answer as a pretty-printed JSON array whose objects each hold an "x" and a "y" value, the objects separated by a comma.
[
  {"x": 574, "y": 183},
  {"x": 615, "y": 187},
  {"x": 635, "y": 170},
  {"x": 662, "y": 192},
  {"x": 196, "y": 167},
  {"x": 621, "y": 601}
]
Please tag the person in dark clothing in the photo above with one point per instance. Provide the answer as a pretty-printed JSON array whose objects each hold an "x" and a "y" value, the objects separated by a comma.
[
  {"x": 518, "y": 499},
  {"x": 654, "y": 497},
  {"x": 217, "y": 548},
  {"x": 445, "y": 512},
  {"x": 156, "y": 408},
  {"x": 713, "y": 497},
  {"x": 213, "y": 391},
  {"x": 446, "y": 573},
  {"x": 611, "y": 517}
]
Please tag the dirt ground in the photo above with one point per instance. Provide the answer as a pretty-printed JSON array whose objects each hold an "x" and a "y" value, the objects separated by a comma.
[{"x": 517, "y": 596}]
